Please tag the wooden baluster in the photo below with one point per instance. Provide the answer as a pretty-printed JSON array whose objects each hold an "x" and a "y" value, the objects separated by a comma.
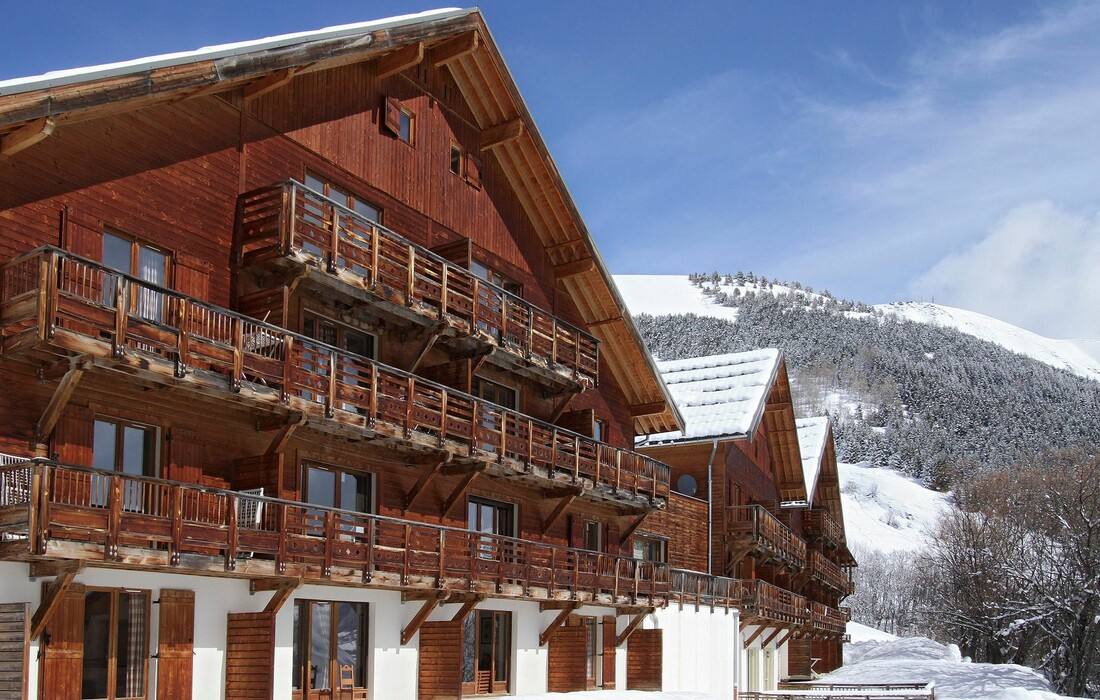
[
  {"x": 47, "y": 294},
  {"x": 554, "y": 344},
  {"x": 281, "y": 555},
  {"x": 553, "y": 572},
  {"x": 442, "y": 548},
  {"x": 553, "y": 449},
  {"x": 183, "y": 337},
  {"x": 618, "y": 469},
  {"x": 504, "y": 304},
  {"x": 576, "y": 572},
  {"x": 289, "y": 352},
  {"x": 114, "y": 517},
  {"x": 292, "y": 219},
  {"x": 330, "y": 400},
  {"x": 334, "y": 241},
  {"x": 576, "y": 458},
  {"x": 238, "y": 354},
  {"x": 410, "y": 388},
  {"x": 38, "y": 517},
  {"x": 530, "y": 446},
  {"x": 121, "y": 315},
  {"x": 232, "y": 533},
  {"x": 473, "y": 561},
  {"x": 329, "y": 543},
  {"x": 503, "y": 435},
  {"x": 405, "y": 563},
  {"x": 475, "y": 305},
  {"x": 444, "y": 283},
  {"x": 374, "y": 244},
  {"x": 373, "y": 394},
  {"x": 177, "y": 525},
  {"x": 444, "y": 408},
  {"x": 530, "y": 332},
  {"x": 410, "y": 289},
  {"x": 368, "y": 567}
]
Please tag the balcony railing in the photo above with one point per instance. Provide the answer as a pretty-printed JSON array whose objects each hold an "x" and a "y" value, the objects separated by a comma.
[
  {"x": 63, "y": 511},
  {"x": 754, "y": 528},
  {"x": 828, "y": 574},
  {"x": 50, "y": 296},
  {"x": 290, "y": 220},
  {"x": 827, "y": 620},
  {"x": 820, "y": 525},
  {"x": 770, "y": 603}
]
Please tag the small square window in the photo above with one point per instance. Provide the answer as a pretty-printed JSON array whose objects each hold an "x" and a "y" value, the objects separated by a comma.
[
  {"x": 399, "y": 120},
  {"x": 405, "y": 130}
]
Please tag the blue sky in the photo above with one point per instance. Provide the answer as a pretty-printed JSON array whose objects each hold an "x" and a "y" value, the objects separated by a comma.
[{"x": 883, "y": 150}]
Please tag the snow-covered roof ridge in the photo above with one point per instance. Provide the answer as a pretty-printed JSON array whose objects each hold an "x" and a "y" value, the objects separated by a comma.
[
  {"x": 106, "y": 70},
  {"x": 719, "y": 395},
  {"x": 813, "y": 435}
]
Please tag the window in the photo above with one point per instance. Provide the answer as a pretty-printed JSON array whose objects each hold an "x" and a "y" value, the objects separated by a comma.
[
  {"x": 593, "y": 536},
  {"x": 116, "y": 644},
  {"x": 496, "y": 393},
  {"x": 400, "y": 120},
  {"x": 143, "y": 262},
  {"x": 330, "y": 647},
  {"x": 345, "y": 198},
  {"x": 650, "y": 549},
  {"x": 599, "y": 430},
  {"x": 494, "y": 277},
  {"x": 456, "y": 159},
  {"x": 486, "y": 652},
  {"x": 591, "y": 648},
  {"x": 332, "y": 487},
  {"x": 125, "y": 447},
  {"x": 344, "y": 337}
]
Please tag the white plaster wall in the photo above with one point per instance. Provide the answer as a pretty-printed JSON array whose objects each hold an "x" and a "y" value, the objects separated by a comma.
[
  {"x": 701, "y": 649},
  {"x": 769, "y": 663}
]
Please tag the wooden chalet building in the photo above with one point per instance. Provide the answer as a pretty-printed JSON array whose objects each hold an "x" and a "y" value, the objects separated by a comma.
[
  {"x": 315, "y": 386},
  {"x": 768, "y": 486}
]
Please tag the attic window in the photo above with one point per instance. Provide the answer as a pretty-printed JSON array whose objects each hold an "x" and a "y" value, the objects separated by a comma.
[
  {"x": 473, "y": 170},
  {"x": 456, "y": 159},
  {"x": 400, "y": 121}
]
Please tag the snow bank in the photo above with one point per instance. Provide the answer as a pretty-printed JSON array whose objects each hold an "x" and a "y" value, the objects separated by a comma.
[
  {"x": 617, "y": 695},
  {"x": 863, "y": 633}
]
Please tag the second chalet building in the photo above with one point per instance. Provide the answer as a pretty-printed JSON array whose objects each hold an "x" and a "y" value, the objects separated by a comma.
[{"x": 315, "y": 386}]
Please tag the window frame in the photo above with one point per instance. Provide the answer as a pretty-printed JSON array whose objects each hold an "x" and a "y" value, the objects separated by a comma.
[
  {"x": 478, "y": 381},
  {"x": 113, "y": 638},
  {"x": 457, "y": 160},
  {"x": 338, "y": 470},
  {"x": 342, "y": 330},
  {"x": 648, "y": 541},
  {"x": 302, "y": 647},
  {"x": 347, "y": 196}
]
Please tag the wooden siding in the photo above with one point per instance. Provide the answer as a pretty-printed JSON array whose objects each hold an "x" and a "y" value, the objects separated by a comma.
[
  {"x": 643, "y": 660},
  {"x": 249, "y": 656},
  {"x": 567, "y": 660},
  {"x": 685, "y": 523},
  {"x": 176, "y": 644},
  {"x": 440, "y": 661},
  {"x": 799, "y": 658},
  {"x": 15, "y": 621}
]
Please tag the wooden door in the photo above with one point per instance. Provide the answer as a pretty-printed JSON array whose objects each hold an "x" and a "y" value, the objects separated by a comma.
[
  {"x": 249, "y": 656},
  {"x": 176, "y": 644},
  {"x": 610, "y": 637},
  {"x": 643, "y": 660},
  {"x": 567, "y": 659},
  {"x": 440, "y": 671},
  {"x": 62, "y": 648}
]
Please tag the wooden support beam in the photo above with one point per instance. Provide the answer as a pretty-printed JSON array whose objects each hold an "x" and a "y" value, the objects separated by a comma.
[
  {"x": 427, "y": 346},
  {"x": 270, "y": 82},
  {"x": 752, "y": 637},
  {"x": 632, "y": 528},
  {"x": 574, "y": 268},
  {"x": 564, "y": 503},
  {"x": 783, "y": 640},
  {"x": 426, "y": 477},
  {"x": 56, "y": 567},
  {"x": 282, "y": 436},
  {"x": 647, "y": 409},
  {"x": 500, "y": 134},
  {"x": 455, "y": 48},
  {"x": 562, "y": 405},
  {"x": 469, "y": 605},
  {"x": 58, "y": 401},
  {"x": 396, "y": 61},
  {"x": 26, "y": 136},
  {"x": 281, "y": 588},
  {"x": 635, "y": 622},
  {"x": 418, "y": 619},
  {"x": 547, "y": 633},
  {"x": 605, "y": 322},
  {"x": 54, "y": 592},
  {"x": 460, "y": 491},
  {"x": 479, "y": 360},
  {"x": 770, "y": 637}
]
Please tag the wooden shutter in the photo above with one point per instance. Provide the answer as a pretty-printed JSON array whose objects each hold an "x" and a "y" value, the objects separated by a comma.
[
  {"x": 184, "y": 455},
  {"x": 249, "y": 655},
  {"x": 611, "y": 546},
  {"x": 82, "y": 234},
  {"x": 14, "y": 628},
  {"x": 473, "y": 170},
  {"x": 643, "y": 660},
  {"x": 610, "y": 636},
  {"x": 74, "y": 434},
  {"x": 61, "y": 668},
  {"x": 175, "y": 644},
  {"x": 576, "y": 531},
  {"x": 440, "y": 672},
  {"x": 392, "y": 120},
  {"x": 192, "y": 277},
  {"x": 581, "y": 421},
  {"x": 567, "y": 659},
  {"x": 799, "y": 658}
]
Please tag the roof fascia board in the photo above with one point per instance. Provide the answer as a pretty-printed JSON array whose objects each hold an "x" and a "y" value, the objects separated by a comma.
[
  {"x": 773, "y": 376},
  {"x": 220, "y": 51}
]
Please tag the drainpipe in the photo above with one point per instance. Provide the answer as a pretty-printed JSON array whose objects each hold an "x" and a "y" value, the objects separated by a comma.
[{"x": 710, "y": 507}]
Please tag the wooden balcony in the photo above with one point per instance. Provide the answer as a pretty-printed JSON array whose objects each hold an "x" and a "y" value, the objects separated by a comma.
[
  {"x": 288, "y": 223},
  {"x": 752, "y": 530},
  {"x": 827, "y": 622},
  {"x": 54, "y": 303},
  {"x": 768, "y": 604},
  {"x": 827, "y": 574},
  {"x": 822, "y": 528},
  {"x": 53, "y": 511}
]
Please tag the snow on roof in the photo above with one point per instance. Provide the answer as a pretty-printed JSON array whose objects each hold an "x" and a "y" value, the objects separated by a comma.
[
  {"x": 811, "y": 445},
  {"x": 718, "y": 395},
  {"x": 76, "y": 75}
]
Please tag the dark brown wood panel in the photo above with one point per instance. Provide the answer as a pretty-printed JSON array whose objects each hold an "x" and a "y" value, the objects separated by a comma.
[
  {"x": 440, "y": 670},
  {"x": 643, "y": 660},
  {"x": 249, "y": 656},
  {"x": 176, "y": 644},
  {"x": 799, "y": 653},
  {"x": 567, "y": 660},
  {"x": 610, "y": 637},
  {"x": 74, "y": 434},
  {"x": 14, "y": 628},
  {"x": 62, "y": 643}
]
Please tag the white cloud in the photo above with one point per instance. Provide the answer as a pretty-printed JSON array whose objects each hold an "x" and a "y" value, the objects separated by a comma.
[{"x": 1038, "y": 268}]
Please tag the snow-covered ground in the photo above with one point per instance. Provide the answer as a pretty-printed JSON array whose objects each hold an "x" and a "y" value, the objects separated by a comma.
[
  {"x": 675, "y": 294},
  {"x": 886, "y": 510},
  {"x": 920, "y": 660},
  {"x": 616, "y": 695}
]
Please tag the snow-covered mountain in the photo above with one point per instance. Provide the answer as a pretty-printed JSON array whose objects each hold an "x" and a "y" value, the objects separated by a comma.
[
  {"x": 660, "y": 295},
  {"x": 885, "y": 510}
]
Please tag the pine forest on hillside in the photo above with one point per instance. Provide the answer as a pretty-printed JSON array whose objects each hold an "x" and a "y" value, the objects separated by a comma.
[{"x": 924, "y": 399}]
